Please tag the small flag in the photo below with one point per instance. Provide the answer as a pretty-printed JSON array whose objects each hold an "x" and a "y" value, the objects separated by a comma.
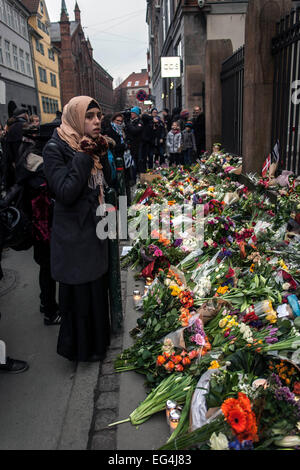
[
  {"x": 266, "y": 166},
  {"x": 275, "y": 153}
]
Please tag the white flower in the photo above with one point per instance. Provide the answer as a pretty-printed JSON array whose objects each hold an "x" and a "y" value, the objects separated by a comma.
[
  {"x": 218, "y": 442},
  {"x": 286, "y": 286},
  {"x": 288, "y": 441}
]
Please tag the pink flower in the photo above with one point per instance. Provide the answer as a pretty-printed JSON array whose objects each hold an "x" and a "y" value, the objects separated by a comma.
[{"x": 158, "y": 253}]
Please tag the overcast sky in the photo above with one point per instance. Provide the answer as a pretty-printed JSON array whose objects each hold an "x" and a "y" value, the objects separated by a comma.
[{"x": 117, "y": 30}]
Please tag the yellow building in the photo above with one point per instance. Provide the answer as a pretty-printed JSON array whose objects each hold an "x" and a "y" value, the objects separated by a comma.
[{"x": 45, "y": 60}]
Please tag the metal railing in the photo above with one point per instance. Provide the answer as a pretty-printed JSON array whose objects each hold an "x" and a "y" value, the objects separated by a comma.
[
  {"x": 232, "y": 79},
  {"x": 286, "y": 93}
]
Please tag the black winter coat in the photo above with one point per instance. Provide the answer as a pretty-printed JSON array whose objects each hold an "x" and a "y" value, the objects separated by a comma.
[
  {"x": 120, "y": 148},
  {"x": 134, "y": 131},
  {"x": 78, "y": 256}
]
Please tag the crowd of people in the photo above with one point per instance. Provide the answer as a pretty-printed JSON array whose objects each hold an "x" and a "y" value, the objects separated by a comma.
[{"x": 55, "y": 176}]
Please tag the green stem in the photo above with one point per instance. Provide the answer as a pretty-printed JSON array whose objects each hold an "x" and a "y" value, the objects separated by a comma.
[{"x": 119, "y": 422}]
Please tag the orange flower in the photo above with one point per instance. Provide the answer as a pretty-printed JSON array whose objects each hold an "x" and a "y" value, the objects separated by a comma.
[
  {"x": 169, "y": 366},
  {"x": 186, "y": 361},
  {"x": 193, "y": 354},
  {"x": 237, "y": 419},
  {"x": 160, "y": 360},
  {"x": 184, "y": 353},
  {"x": 241, "y": 418},
  {"x": 176, "y": 359},
  {"x": 167, "y": 355},
  {"x": 179, "y": 368}
]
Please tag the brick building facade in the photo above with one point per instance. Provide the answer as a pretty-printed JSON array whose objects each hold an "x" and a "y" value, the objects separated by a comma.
[
  {"x": 125, "y": 93},
  {"x": 79, "y": 72}
]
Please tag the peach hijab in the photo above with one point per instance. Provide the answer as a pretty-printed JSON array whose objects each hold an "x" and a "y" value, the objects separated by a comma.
[
  {"x": 72, "y": 132},
  {"x": 73, "y": 119}
]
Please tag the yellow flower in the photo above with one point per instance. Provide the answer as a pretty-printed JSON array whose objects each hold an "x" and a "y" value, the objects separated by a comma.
[
  {"x": 252, "y": 268},
  {"x": 150, "y": 217},
  {"x": 223, "y": 322},
  {"x": 175, "y": 290},
  {"x": 214, "y": 365},
  {"x": 211, "y": 189},
  {"x": 222, "y": 290},
  {"x": 283, "y": 265}
]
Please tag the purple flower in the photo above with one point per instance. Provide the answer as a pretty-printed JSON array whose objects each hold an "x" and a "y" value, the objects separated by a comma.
[
  {"x": 271, "y": 340},
  {"x": 178, "y": 242}
]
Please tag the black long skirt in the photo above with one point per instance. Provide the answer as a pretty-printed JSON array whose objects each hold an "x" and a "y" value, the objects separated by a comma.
[{"x": 85, "y": 326}]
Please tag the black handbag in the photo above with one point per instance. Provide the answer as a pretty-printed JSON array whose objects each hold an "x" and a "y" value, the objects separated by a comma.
[{"x": 16, "y": 225}]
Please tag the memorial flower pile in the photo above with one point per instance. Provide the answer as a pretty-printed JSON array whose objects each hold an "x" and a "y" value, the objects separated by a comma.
[{"x": 223, "y": 318}]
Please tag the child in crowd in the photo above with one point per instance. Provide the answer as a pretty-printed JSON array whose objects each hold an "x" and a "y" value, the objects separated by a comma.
[
  {"x": 188, "y": 143},
  {"x": 174, "y": 141}
]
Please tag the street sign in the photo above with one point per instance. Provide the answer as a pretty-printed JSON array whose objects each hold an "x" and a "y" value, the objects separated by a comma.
[
  {"x": 170, "y": 67},
  {"x": 141, "y": 95}
]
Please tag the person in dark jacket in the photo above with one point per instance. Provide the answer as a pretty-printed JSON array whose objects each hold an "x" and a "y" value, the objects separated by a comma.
[
  {"x": 133, "y": 131},
  {"x": 115, "y": 130},
  {"x": 199, "y": 129},
  {"x": 13, "y": 140},
  {"x": 38, "y": 205},
  {"x": 159, "y": 132},
  {"x": 167, "y": 119},
  {"x": 146, "y": 151},
  {"x": 77, "y": 170}
]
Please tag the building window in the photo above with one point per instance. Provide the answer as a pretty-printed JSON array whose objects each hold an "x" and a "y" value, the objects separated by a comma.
[
  {"x": 178, "y": 49},
  {"x": 129, "y": 84},
  {"x": 23, "y": 25},
  {"x": 17, "y": 21},
  {"x": 43, "y": 75},
  {"x": 53, "y": 79},
  {"x": 51, "y": 54},
  {"x": 42, "y": 7},
  {"x": 7, "y": 53},
  {"x": 28, "y": 65},
  {"x": 16, "y": 58},
  {"x": 22, "y": 62},
  {"x": 1, "y": 52},
  {"x": 137, "y": 83},
  {"x": 50, "y": 106},
  {"x": 9, "y": 15},
  {"x": 2, "y": 11},
  {"x": 39, "y": 47}
]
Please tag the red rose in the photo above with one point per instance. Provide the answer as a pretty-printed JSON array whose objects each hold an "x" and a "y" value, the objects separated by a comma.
[{"x": 297, "y": 388}]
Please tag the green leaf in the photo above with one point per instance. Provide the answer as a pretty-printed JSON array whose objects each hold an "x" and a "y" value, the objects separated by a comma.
[{"x": 157, "y": 328}]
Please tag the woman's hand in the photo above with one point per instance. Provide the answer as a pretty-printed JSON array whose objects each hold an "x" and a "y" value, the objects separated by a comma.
[{"x": 88, "y": 145}]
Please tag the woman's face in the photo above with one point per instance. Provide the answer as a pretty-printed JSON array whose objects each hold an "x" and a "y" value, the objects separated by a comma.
[
  {"x": 92, "y": 122},
  {"x": 118, "y": 120}
]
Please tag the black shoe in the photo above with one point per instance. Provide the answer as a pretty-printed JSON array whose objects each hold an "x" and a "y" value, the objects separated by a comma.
[
  {"x": 14, "y": 366},
  {"x": 45, "y": 310},
  {"x": 52, "y": 320}
]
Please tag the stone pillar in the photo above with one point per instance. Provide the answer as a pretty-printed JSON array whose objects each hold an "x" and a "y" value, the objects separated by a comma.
[
  {"x": 258, "y": 80},
  {"x": 216, "y": 52}
]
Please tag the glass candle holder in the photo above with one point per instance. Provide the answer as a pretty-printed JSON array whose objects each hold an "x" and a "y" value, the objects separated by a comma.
[
  {"x": 174, "y": 419},
  {"x": 170, "y": 406},
  {"x": 137, "y": 298}
]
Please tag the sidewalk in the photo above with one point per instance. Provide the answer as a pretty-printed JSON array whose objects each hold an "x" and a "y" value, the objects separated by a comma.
[
  {"x": 50, "y": 406},
  {"x": 56, "y": 404},
  {"x": 119, "y": 394}
]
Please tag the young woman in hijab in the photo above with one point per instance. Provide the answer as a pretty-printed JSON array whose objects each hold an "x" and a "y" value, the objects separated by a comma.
[{"x": 77, "y": 170}]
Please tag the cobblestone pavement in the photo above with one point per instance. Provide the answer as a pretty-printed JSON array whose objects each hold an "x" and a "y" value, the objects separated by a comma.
[{"x": 106, "y": 406}]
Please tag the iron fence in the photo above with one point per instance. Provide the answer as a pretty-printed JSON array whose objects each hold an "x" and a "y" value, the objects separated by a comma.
[
  {"x": 232, "y": 79},
  {"x": 286, "y": 93}
]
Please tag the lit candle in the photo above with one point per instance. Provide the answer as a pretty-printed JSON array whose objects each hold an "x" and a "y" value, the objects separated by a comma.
[
  {"x": 137, "y": 298},
  {"x": 149, "y": 281},
  {"x": 171, "y": 405},
  {"x": 174, "y": 419}
]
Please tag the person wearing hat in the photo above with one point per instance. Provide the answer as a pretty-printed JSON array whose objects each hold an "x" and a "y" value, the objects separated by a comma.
[
  {"x": 188, "y": 143},
  {"x": 133, "y": 131},
  {"x": 184, "y": 117},
  {"x": 13, "y": 140}
]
